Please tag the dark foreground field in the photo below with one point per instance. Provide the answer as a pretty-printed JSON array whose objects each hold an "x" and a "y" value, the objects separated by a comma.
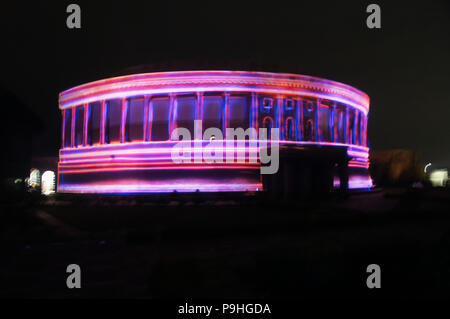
[{"x": 233, "y": 246}]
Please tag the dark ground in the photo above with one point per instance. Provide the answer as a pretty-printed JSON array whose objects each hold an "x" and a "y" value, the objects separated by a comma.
[{"x": 235, "y": 247}]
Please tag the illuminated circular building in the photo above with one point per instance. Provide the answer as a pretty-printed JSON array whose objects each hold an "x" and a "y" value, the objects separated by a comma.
[{"x": 117, "y": 133}]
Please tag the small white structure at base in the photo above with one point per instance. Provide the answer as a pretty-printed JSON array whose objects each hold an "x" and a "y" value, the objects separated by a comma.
[{"x": 48, "y": 183}]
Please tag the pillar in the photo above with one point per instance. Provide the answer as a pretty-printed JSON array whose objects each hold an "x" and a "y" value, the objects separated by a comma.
[
  {"x": 72, "y": 128},
  {"x": 103, "y": 122},
  {"x": 147, "y": 120},
  {"x": 316, "y": 121},
  {"x": 85, "y": 124},
  {"x": 172, "y": 114},
  {"x": 123, "y": 120}
]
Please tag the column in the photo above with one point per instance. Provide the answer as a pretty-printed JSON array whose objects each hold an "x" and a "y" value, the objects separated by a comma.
[
  {"x": 86, "y": 124},
  {"x": 198, "y": 134},
  {"x": 346, "y": 125},
  {"x": 147, "y": 119},
  {"x": 355, "y": 124},
  {"x": 365, "y": 119},
  {"x": 123, "y": 121},
  {"x": 172, "y": 114},
  {"x": 63, "y": 127},
  {"x": 332, "y": 121},
  {"x": 254, "y": 113},
  {"x": 279, "y": 116},
  {"x": 226, "y": 113},
  {"x": 299, "y": 120},
  {"x": 316, "y": 121},
  {"x": 103, "y": 122},
  {"x": 72, "y": 129},
  {"x": 363, "y": 128}
]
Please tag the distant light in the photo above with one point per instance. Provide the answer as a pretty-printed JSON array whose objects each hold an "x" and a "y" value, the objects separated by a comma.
[
  {"x": 439, "y": 177},
  {"x": 48, "y": 183},
  {"x": 426, "y": 166}
]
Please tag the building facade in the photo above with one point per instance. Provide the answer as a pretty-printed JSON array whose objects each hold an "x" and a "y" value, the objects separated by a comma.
[{"x": 117, "y": 132}]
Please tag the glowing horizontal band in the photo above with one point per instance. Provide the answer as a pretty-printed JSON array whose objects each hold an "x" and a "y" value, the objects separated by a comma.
[
  {"x": 159, "y": 188},
  {"x": 358, "y": 166},
  {"x": 358, "y": 154},
  {"x": 146, "y": 148},
  {"x": 150, "y": 160},
  {"x": 157, "y": 168}
]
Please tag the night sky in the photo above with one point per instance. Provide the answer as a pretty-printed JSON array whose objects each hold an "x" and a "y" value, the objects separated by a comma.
[{"x": 404, "y": 67}]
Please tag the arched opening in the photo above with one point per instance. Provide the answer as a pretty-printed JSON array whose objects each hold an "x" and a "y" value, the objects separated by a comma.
[
  {"x": 79, "y": 125},
  {"x": 290, "y": 129},
  {"x": 309, "y": 130},
  {"x": 351, "y": 129},
  {"x": 268, "y": 124}
]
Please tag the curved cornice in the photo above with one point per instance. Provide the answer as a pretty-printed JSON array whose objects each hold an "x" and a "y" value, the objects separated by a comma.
[{"x": 209, "y": 81}]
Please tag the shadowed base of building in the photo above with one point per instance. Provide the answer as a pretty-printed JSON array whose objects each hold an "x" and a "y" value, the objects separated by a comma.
[{"x": 307, "y": 172}]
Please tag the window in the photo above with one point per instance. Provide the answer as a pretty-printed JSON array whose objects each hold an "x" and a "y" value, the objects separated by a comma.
[
  {"x": 79, "y": 125},
  {"x": 185, "y": 113},
  {"x": 339, "y": 125},
  {"x": 134, "y": 129},
  {"x": 324, "y": 123},
  {"x": 266, "y": 105},
  {"x": 358, "y": 128},
  {"x": 351, "y": 128},
  {"x": 335, "y": 127},
  {"x": 289, "y": 105},
  {"x": 239, "y": 112},
  {"x": 290, "y": 128},
  {"x": 309, "y": 109},
  {"x": 160, "y": 119},
  {"x": 342, "y": 126},
  {"x": 67, "y": 127},
  {"x": 113, "y": 119},
  {"x": 309, "y": 131},
  {"x": 212, "y": 112},
  {"x": 94, "y": 123}
]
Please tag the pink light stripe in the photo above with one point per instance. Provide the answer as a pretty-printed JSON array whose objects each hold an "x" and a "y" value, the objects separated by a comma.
[
  {"x": 146, "y": 159},
  {"x": 206, "y": 142},
  {"x": 140, "y": 164},
  {"x": 168, "y": 188},
  {"x": 150, "y": 152},
  {"x": 176, "y": 167}
]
